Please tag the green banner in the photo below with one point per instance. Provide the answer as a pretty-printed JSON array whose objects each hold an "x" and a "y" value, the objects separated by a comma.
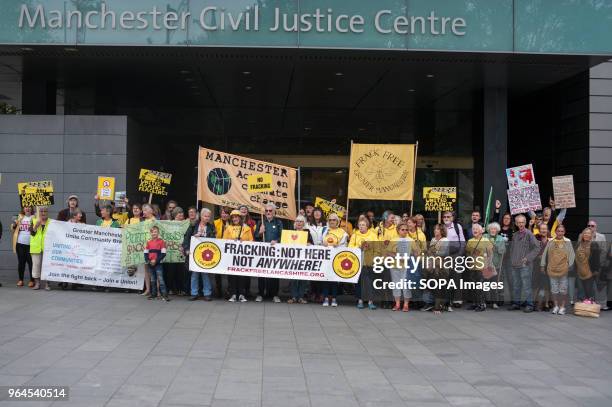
[{"x": 135, "y": 238}]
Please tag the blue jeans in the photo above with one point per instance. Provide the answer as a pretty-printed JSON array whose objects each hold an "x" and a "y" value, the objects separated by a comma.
[
  {"x": 298, "y": 288},
  {"x": 157, "y": 273},
  {"x": 195, "y": 283},
  {"x": 330, "y": 287},
  {"x": 521, "y": 278}
]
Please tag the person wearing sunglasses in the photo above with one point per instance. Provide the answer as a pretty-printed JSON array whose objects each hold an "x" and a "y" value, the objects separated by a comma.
[
  {"x": 269, "y": 230},
  {"x": 402, "y": 244},
  {"x": 334, "y": 236}
]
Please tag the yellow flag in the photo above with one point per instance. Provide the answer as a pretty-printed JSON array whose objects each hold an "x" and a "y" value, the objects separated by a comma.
[{"x": 382, "y": 172}]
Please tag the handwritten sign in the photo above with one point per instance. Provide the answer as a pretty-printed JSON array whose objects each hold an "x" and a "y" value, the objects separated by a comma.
[
  {"x": 259, "y": 183},
  {"x": 439, "y": 199},
  {"x": 524, "y": 199},
  {"x": 35, "y": 193},
  {"x": 563, "y": 189},
  {"x": 154, "y": 182},
  {"x": 521, "y": 176}
]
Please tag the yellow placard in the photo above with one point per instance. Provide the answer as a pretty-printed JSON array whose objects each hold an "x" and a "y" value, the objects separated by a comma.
[
  {"x": 329, "y": 207},
  {"x": 154, "y": 182},
  {"x": 259, "y": 183},
  {"x": 35, "y": 193},
  {"x": 106, "y": 188},
  {"x": 439, "y": 199},
  {"x": 223, "y": 180},
  {"x": 299, "y": 237},
  {"x": 382, "y": 172}
]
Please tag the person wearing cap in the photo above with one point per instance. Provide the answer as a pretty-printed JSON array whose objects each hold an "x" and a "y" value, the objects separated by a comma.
[
  {"x": 269, "y": 230},
  {"x": 237, "y": 230},
  {"x": 73, "y": 203}
]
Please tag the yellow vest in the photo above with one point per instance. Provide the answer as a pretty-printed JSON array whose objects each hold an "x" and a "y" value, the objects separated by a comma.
[{"x": 367, "y": 254}]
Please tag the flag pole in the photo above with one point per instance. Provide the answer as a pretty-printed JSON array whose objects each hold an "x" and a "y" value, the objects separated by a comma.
[
  {"x": 416, "y": 153},
  {"x": 488, "y": 209},
  {"x": 299, "y": 186},
  {"x": 348, "y": 185}
]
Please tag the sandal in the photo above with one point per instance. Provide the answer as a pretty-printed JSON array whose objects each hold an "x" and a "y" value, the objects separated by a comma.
[
  {"x": 396, "y": 307},
  {"x": 405, "y": 308},
  {"x": 291, "y": 301},
  {"x": 302, "y": 301}
]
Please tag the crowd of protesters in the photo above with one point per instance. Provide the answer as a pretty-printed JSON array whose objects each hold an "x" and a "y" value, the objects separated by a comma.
[{"x": 539, "y": 266}]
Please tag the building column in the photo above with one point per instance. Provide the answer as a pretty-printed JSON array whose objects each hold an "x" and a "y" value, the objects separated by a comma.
[{"x": 495, "y": 143}]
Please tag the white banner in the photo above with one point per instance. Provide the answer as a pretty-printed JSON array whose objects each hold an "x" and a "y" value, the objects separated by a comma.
[
  {"x": 256, "y": 259},
  {"x": 86, "y": 254}
]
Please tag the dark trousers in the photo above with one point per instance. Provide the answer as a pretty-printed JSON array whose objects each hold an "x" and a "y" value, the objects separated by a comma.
[
  {"x": 23, "y": 258},
  {"x": 477, "y": 294},
  {"x": 174, "y": 276},
  {"x": 587, "y": 287},
  {"x": 268, "y": 287},
  {"x": 238, "y": 285}
]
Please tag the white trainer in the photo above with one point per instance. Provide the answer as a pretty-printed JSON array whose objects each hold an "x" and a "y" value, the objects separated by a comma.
[
  {"x": 242, "y": 298},
  {"x": 232, "y": 298},
  {"x": 259, "y": 298},
  {"x": 326, "y": 302},
  {"x": 555, "y": 310},
  {"x": 334, "y": 303},
  {"x": 276, "y": 299},
  {"x": 562, "y": 311}
]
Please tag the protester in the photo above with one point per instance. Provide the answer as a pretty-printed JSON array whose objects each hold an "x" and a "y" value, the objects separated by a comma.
[
  {"x": 154, "y": 253},
  {"x": 387, "y": 229},
  {"x": 106, "y": 220},
  {"x": 588, "y": 263},
  {"x": 21, "y": 244},
  {"x": 170, "y": 206},
  {"x": 76, "y": 216},
  {"x": 371, "y": 217},
  {"x": 38, "y": 230},
  {"x": 269, "y": 229},
  {"x": 117, "y": 213},
  {"x": 556, "y": 260},
  {"x": 174, "y": 273},
  {"x": 541, "y": 282},
  {"x": 456, "y": 247},
  {"x": 365, "y": 238},
  {"x": 475, "y": 220},
  {"x": 524, "y": 248},
  {"x": 156, "y": 211},
  {"x": 246, "y": 218},
  {"x": 148, "y": 215},
  {"x": 298, "y": 287},
  {"x": 192, "y": 215},
  {"x": 420, "y": 222},
  {"x": 505, "y": 221},
  {"x": 222, "y": 221},
  {"x": 308, "y": 209},
  {"x": 201, "y": 229},
  {"x": 346, "y": 226},
  {"x": 72, "y": 202},
  {"x": 419, "y": 246},
  {"x": 237, "y": 230},
  {"x": 478, "y": 247},
  {"x": 401, "y": 244},
  {"x": 333, "y": 237},
  {"x": 438, "y": 250},
  {"x": 136, "y": 215},
  {"x": 495, "y": 297},
  {"x": 317, "y": 226}
]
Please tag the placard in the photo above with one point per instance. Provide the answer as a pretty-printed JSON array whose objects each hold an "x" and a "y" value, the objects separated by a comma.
[
  {"x": 154, "y": 182},
  {"x": 135, "y": 238},
  {"x": 120, "y": 199},
  {"x": 299, "y": 237},
  {"x": 329, "y": 207},
  {"x": 257, "y": 183},
  {"x": 563, "y": 190},
  {"x": 36, "y": 193},
  {"x": 106, "y": 188},
  {"x": 439, "y": 199},
  {"x": 521, "y": 176},
  {"x": 86, "y": 254},
  {"x": 258, "y": 259},
  {"x": 522, "y": 200}
]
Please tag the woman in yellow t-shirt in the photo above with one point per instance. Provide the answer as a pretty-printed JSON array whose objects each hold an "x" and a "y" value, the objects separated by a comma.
[
  {"x": 334, "y": 236},
  {"x": 365, "y": 238},
  {"x": 237, "y": 230}
]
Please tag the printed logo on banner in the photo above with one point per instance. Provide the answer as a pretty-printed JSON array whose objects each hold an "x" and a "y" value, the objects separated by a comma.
[
  {"x": 207, "y": 255},
  {"x": 346, "y": 264},
  {"x": 219, "y": 181}
]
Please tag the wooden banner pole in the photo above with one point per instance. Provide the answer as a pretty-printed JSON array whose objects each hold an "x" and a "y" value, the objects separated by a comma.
[
  {"x": 416, "y": 153},
  {"x": 150, "y": 198},
  {"x": 299, "y": 189},
  {"x": 348, "y": 185}
]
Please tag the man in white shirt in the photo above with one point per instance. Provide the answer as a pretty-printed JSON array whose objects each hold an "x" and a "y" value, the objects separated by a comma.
[{"x": 600, "y": 238}]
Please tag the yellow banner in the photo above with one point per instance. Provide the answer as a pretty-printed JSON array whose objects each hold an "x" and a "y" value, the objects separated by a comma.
[
  {"x": 36, "y": 193},
  {"x": 223, "y": 180},
  {"x": 299, "y": 237},
  {"x": 382, "y": 172},
  {"x": 329, "y": 207},
  {"x": 439, "y": 199},
  {"x": 106, "y": 188},
  {"x": 257, "y": 183},
  {"x": 153, "y": 182}
]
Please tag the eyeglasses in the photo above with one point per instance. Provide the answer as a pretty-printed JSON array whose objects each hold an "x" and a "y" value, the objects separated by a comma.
[
  {"x": 403, "y": 230},
  {"x": 268, "y": 210},
  {"x": 591, "y": 226},
  {"x": 447, "y": 217}
]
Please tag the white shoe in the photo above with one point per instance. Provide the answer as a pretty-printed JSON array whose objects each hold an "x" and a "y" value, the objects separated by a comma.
[
  {"x": 326, "y": 302},
  {"x": 495, "y": 306},
  {"x": 450, "y": 309},
  {"x": 232, "y": 298},
  {"x": 259, "y": 298},
  {"x": 276, "y": 299},
  {"x": 334, "y": 303},
  {"x": 555, "y": 310},
  {"x": 562, "y": 311},
  {"x": 242, "y": 298}
]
